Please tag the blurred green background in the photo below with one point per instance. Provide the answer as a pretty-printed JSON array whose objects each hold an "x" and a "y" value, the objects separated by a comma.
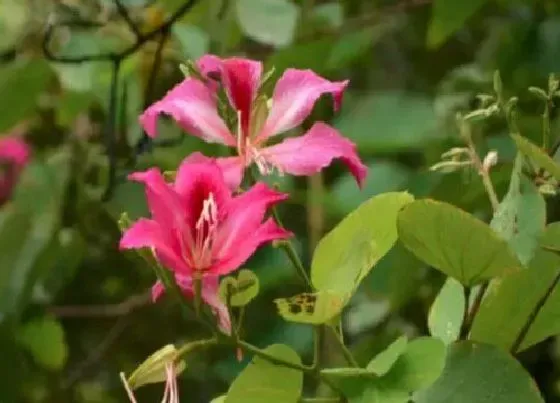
[{"x": 74, "y": 311}]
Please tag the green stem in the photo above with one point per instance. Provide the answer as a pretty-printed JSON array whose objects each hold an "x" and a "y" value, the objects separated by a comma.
[
  {"x": 345, "y": 351},
  {"x": 272, "y": 359}
]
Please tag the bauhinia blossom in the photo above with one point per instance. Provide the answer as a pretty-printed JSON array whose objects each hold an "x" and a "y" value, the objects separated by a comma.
[
  {"x": 199, "y": 229},
  {"x": 193, "y": 104},
  {"x": 14, "y": 155}
]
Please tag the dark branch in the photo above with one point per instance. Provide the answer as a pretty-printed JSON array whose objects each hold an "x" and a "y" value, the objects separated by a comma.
[
  {"x": 111, "y": 125},
  {"x": 140, "y": 40},
  {"x": 126, "y": 16}
]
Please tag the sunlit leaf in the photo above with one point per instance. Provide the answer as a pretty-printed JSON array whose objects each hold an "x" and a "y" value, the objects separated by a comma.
[
  {"x": 348, "y": 252},
  {"x": 454, "y": 242},
  {"x": 483, "y": 374},
  {"x": 446, "y": 314},
  {"x": 382, "y": 362},
  {"x": 262, "y": 381},
  {"x": 239, "y": 290},
  {"x": 317, "y": 308}
]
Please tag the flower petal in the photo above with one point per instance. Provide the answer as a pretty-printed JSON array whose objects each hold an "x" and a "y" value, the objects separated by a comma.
[
  {"x": 308, "y": 154},
  {"x": 14, "y": 150},
  {"x": 245, "y": 247},
  {"x": 146, "y": 233},
  {"x": 232, "y": 168},
  {"x": 238, "y": 234},
  {"x": 164, "y": 203},
  {"x": 193, "y": 106},
  {"x": 196, "y": 178},
  {"x": 241, "y": 80},
  {"x": 294, "y": 96}
]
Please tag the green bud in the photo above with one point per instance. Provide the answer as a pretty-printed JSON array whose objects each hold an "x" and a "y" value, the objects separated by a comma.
[
  {"x": 539, "y": 92},
  {"x": 153, "y": 369}
]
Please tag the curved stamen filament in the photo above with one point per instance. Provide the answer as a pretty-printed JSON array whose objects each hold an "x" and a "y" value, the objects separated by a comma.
[{"x": 206, "y": 226}]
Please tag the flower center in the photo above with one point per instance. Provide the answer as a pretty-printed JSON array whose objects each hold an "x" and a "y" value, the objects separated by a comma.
[
  {"x": 265, "y": 167},
  {"x": 205, "y": 230}
]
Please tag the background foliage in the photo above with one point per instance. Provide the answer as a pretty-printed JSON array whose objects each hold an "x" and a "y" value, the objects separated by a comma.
[{"x": 74, "y": 311}]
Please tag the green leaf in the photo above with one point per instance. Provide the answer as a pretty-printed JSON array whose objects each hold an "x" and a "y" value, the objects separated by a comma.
[
  {"x": 483, "y": 374},
  {"x": 521, "y": 216},
  {"x": 262, "y": 381},
  {"x": 27, "y": 226},
  {"x": 307, "y": 55},
  {"x": 348, "y": 252},
  {"x": 448, "y": 17},
  {"x": 446, "y": 314},
  {"x": 272, "y": 22},
  {"x": 153, "y": 369},
  {"x": 345, "y": 196},
  {"x": 241, "y": 290},
  {"x": 510, "y": 301},
  {"x": 315, "y": 309},
  {"x": 537, "y": 155},
  {"x": 420, "y": 365},
  {"x": 329, "y": 13},
  {"x": 194, "y": 41},
  {"x": 551, "y": 237},
  {"x": 14, "y": 17},
  {"x": 382, "y": 362},
  {"x": 219, "y": 399},
  {"x": 21, "y": 84},
  {"x": 454, "y": 242},
  {"x": 44, "y": 339},
  {"x": 369, "y": 122}
]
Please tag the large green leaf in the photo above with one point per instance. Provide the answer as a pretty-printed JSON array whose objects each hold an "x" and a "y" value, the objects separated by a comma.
[
  {"x": 483, "y": 374},
  {"x": 272, "y": 22},
  {"x": 521, "y": 216},
  {"x": 347, "y": 253},
  {"x": 448, "y": 17},
  {"x": 447, "y": 311},
  {"x": 21, "y": 84},
  {"x": 382, "y": 362},
  {"x": 262, "y": 381},
  {"x": 503, "y": 314},
  {"x": 27, "y": 226},
  {"x": 537, "y": 155},
  {"x": 45, "y": 341},
  {"x": 370, "y": 121},
  {"x": 420, "y": 365},
  {"x": 455, "y": 242}
]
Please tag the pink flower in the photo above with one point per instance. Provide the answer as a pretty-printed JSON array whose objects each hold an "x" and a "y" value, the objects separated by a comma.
[
  {"x": 14, "y": 155},
  {"x": 209, "y": 296},
  {"x": 198, "y": 228},
  {"x": 193, "y": 104}
]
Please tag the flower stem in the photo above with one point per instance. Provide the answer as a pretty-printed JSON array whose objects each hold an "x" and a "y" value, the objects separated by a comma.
[
  {"x": 465, "y": 326},
  {"x": 347, "y": 354}
]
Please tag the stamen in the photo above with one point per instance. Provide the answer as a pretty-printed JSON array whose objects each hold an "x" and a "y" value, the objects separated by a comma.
[
  {"x": 265, "y": 167},
  {"x": 205, "y": 230}
]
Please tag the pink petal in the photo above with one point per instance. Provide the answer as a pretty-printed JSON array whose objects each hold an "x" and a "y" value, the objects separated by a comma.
[
  {"x": 308, "y": 154},
  {"x": 14, "y": 150},
  {"x": 193, "y": 106},
  {"x": 232, "y": 168},
  {"x": 241, "y": 80},
  {"x": 164, "y": 203},
  {"x": 245, "y": 247},
  {"x": 197, "y": 177},
  {"x": 238, "y": 234},
  {"x": 209, "y": 65},
  {"x": 146, "y": 233},
  {"x": 293, "y": 99}
]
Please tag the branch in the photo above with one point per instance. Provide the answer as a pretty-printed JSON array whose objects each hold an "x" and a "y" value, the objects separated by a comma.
[
  {"x": 140, "y": 40},
  {"x": 104, "y": 311},
  {"x": 126, "y": 16}
]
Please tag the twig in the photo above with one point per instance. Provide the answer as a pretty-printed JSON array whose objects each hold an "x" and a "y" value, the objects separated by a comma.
[
  {"x": 109, "y": 56},
  {"x": 97, "y": 354},
  {"x": 110, "y": 127},
  {"x": 465, "y": 326},
  {"x": 104, "y": 311},
  {"x": 126, "y": 16},
  {"x": 347, "y": 354}
]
